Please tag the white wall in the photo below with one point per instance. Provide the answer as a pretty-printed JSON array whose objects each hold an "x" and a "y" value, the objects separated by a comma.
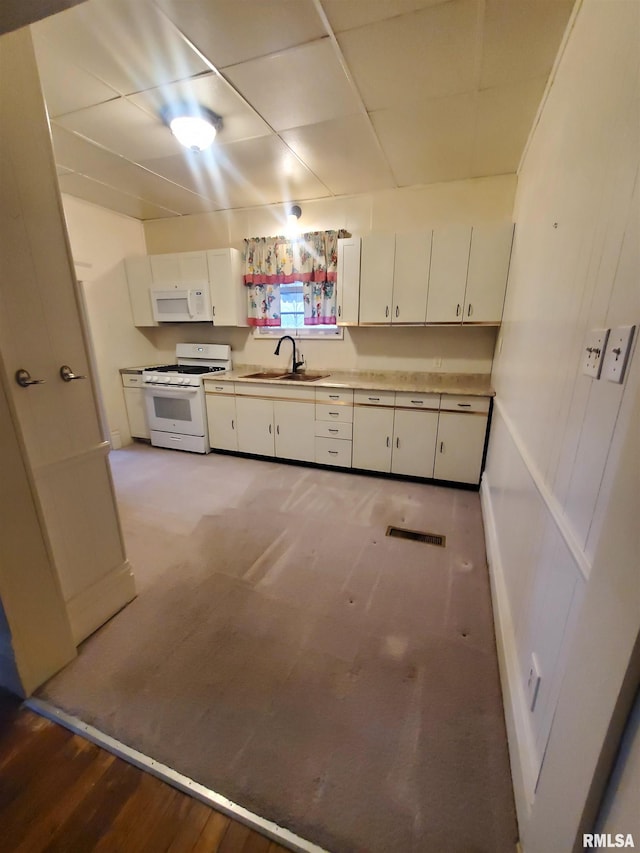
[
  {"x": 468, "y": 350},
  {"x": 100, "y": 240},
  {"x": 563, "y": 446}
]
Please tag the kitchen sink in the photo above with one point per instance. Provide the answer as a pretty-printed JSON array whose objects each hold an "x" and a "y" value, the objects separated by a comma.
[{"x": 295, "y": 377}]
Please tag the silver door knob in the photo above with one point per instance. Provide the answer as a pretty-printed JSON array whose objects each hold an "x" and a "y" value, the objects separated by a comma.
[
  {"x": 23, "y": 378},
  {"x": 68, "y": 375}
]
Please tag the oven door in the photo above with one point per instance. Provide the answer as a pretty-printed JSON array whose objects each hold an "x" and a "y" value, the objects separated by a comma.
[{"x": 179, "y": 410}]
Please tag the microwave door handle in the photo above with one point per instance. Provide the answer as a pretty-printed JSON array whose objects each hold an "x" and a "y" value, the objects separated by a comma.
[{"x": 189, "y": 308}]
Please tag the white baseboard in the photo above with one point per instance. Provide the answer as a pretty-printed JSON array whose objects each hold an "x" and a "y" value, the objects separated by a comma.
[
  {"x": 91, "y": 608},
  {"x": 521, "y": 747}
]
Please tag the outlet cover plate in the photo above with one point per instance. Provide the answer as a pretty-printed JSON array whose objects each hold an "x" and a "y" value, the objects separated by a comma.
[
  {"x": 594, "y": 346},
  {"x": 616, "y": 357}
]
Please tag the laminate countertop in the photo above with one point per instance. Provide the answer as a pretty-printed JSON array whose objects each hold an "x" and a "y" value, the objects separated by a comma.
[{"x": 468, "y": 384}]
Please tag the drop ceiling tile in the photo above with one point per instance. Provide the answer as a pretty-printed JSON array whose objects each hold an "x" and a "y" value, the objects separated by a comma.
[
  {"x": 213, "y": 92},
  {"x": 402, "y": 62},
  {"x": 129, "y": 46},
  {"x": 228, "y": 32},
  {"x": 79, "y": 155},
  {"x": 343, "y": 153},
  {"x": 123, "y": 128},
  {"x": 67, "y": 87},
  {"x": 521, "y": 40},
  {"x": 242, "y": 174},
  {"x": 349, "y": 14},
  {"x": 429, "y": 145},
  {"x": 304, "y": 85},
  {"x": 105, "y": 196},
  {"x": 504, "y": 118}
]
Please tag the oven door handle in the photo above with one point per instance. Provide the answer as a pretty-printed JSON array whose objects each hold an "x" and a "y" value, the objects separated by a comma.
[{"x": 172, "y": 391}]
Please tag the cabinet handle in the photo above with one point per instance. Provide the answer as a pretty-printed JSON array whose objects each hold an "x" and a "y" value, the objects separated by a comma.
[
  {"x": 458, "y": 310},
  {"x": 213, "y": 310},
  {"x": 386, "y": 311},
  {"x": 278, "y": 429},
  {"x": 334, "y": 414},
  {"x": 397, "y": 311},
  {"x": 388, "y": 442},
  {"x": 339, "y": 310},
  {"x": 375, "y": 399},
  {"x": 442, "y": 447},
  {"x": 333, "y": 452},
  {"x": 334, "y": 396},
  {"x": 469, "y": 310},
  {"x": 269, "y": 429},
  {"x": 233, "y": 423},
  {"x": 333, "y": 430},
  {"x": 464, "y": 405},
  {"x": 219, "y": 388},
  {"x": 397, "y": 442},
  {"x": 418, "y": 402}
]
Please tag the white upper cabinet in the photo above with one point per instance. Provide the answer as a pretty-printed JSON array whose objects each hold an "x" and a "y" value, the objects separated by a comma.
[
  {"x": 411, "y": 277},
  {"x": 488, "y": 270},
  {"x": 376, "y": 278},
  {"x": 228, "y": 293},
  {"x": 179, "y": 269},
  {"x": 138, "y": 270},
  {"x": 348, "y": 285},
  {"x": 448, "y": 277},
  {"x": 395, "y": 277}
]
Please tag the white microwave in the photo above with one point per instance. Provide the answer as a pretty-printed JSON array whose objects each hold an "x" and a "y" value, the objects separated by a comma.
[{"x": 182, "y": 305}]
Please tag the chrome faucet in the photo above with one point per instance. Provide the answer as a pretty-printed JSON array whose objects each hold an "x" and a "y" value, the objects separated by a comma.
[{"x": 296, "y": 364}]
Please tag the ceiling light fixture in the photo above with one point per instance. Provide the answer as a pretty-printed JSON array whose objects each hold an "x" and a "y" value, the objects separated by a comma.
[
  {"x": 293, "y": 214},
  {"x": 193, "y": 126}
]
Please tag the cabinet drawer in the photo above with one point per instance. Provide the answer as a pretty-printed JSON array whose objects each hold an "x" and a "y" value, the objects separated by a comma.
[
  {"x": 132, "y": 380},
  {"x": 336, "y": 413},
  {"x": 274, "y": 390},
  {"x": 457, "y": 403},
  {"x": 324, "y": 429},
  {"x": 333, "y": 451},
  {"x": 219, "y": 387},
  {"x": 374, "y": 398},
  {"x": 334, "y": 395},
  {"x": 411, "y": 400}
]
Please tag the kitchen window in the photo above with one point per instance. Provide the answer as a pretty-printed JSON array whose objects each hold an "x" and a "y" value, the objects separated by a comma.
[{"x": 292, "y": 318}]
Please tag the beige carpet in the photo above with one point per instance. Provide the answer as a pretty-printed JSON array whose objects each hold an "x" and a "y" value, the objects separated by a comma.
[{"x": 286, "y": 653}]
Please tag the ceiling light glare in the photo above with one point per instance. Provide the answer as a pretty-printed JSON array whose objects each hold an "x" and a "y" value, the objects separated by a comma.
[
  {"x": 293, "y": 214},
  {"x": 194, "y": 127}
]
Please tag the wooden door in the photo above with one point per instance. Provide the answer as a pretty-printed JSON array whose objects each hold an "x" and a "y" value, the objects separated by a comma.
[
  {"x": 40, "y": 332},
  {"x": 376, "y": 277}
]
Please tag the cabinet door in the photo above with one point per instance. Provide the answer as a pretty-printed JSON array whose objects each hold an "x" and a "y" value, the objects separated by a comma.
[
  {"x": 221, "y": 418},
  {"x": 376, "y": 277},
  {"x": 460, "y": 446},
  {"x": 488, "y": 269},
  {"x": 295, "y": 430},
  {"x": 254, "y": 419},
  {"x": 372, "y": 438},
  {"x": 448, "y": 275},
  {"x": 348, "y": 281},
  {"x": 414, "y": 442},
  {"x": 165, "y": 270},
  {"x": 193, "y": 268},
  {"x": 136, "y": 412},
  {"x": 411, "y": 277},
  {"x": 138, "y": 271},
  {"x": 228, "y": 293}
]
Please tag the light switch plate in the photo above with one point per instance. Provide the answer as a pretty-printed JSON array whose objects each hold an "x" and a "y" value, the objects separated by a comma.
[
  {"x": 594, "y": 346},
  {"x": 617, "y": 355}
]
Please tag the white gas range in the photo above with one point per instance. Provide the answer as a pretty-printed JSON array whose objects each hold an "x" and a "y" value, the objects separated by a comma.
[{"x": 174, "y": 396}]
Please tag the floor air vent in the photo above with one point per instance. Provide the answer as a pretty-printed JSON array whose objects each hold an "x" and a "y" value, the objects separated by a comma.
[{"x": 417, "y": 536}]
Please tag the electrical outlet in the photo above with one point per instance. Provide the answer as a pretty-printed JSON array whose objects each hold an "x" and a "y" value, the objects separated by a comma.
[
  {"x": 533, "y": 682},
  {"x": 594, "y": 346},
  {"x": 617, "y": 354}
]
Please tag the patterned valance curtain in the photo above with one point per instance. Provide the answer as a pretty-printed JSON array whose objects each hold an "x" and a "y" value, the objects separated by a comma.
[{"x": 309, "y": 258}]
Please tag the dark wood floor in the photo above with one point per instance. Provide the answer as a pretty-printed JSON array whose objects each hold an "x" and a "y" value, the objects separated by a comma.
[{"x": 59, "y": 792}]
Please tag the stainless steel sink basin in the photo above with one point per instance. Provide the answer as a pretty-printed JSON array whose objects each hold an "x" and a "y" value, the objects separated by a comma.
[
  {"x": 304, "y": 377},
  {"x": 266, "y": 374}
]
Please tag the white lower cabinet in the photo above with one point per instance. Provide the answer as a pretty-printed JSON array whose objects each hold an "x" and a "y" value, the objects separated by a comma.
[
  {"x": 372, "y": 438},
  {"x": 460, "y": 446},
  {"x": 255, "y": 426},
  {"x": 221, "y": 417},
  {"x": 399, "y": 441},
  {"x": 294, "y": 430},
  {"x": 281, "y": 428},
  {"x": 136, "y": 412}
]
